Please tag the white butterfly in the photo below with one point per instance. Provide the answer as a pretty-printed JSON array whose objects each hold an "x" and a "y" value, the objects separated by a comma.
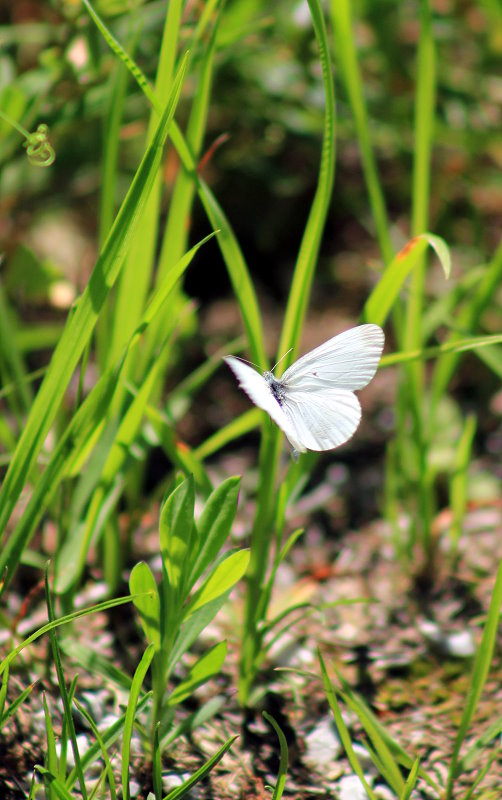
[{"x": 314, "y": 401}]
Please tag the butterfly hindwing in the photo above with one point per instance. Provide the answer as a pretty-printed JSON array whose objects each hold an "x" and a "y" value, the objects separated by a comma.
[{"x": 323, "y": 420}]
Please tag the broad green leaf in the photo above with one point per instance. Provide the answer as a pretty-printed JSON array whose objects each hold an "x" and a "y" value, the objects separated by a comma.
[
  {"x": 206, "y": 667},
  {"x": 192, "y": 628},
  {"x": 226, "y": 575},
  {"x": 214, "y": 526},
  {"x": 177, "y": 535},
  {"x": 142, "y": 582}
]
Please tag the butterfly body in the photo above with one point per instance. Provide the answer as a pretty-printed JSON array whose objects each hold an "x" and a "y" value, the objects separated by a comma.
[{"x": 313, "y": 402}]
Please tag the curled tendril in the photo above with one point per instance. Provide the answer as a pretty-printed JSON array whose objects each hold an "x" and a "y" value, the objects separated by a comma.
[{"x": 39, "y": 150}]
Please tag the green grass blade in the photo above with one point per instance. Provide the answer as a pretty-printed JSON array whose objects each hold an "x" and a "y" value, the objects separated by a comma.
[
  {"x": 102, "y": 749},
  {"x": 411, "y": 780},
  {"x": 425, "y": 98},
  {"x": 459, "y": 478},
  {"x": 107, "y": 604},
  {"x": 346, "y": 54},
  {"x": 54, "y": 783},
  {"x": 229, "y": 246},
  {"x": 290, "y": 337},
  {"x": 108, "y": 738},
  {"x": 235, "y": 429},
  {"x": 201, "y": 773},
  {"x": 284, "y": 760},
  {"x": 65, "y": 697},
  {"x": 80, "y": 325},
  {"x": 479, "y": 674},
  {"x": 311, "y": 240},
  {"x": 51, "y": 760},
  {"x": 472, "y": 343},
  {"x": 132, "y": 703},
  {"x": 342, "y": 728},
  {"x": 214, "y": 526},
  {"x": 84, "y": 422}
]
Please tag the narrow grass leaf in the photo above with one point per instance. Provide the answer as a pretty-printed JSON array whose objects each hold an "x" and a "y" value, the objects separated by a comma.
[
  {"x": 108, "y": 738},
  {"x": 50, "y": 755},
  {"x": 459, "y": 479},
  {"x": 6, "y": 714},
  {"x": 107, "y": 604},
  {"x": 481, "y": 775},
  {"x": 456, "y": 346},
  {"x": 137, "y": 683},
  {"x": 232, "y": 254},
  {"x": 411, "y": 780},
  {"x": 346, "y": 54},
  {"x": 201, "y": 773},
  {"x": 3, "y": 696},
  {"x": 309, "y": 248},
  {"x": 86, "y": 420},
  {"x": 284, "y": 760},
  {"x": 238, "y": 427},
  {"x": 65, "y": 695},
  {"x": 480, "y": 672},
  {"x": 157, "y": 764},
  {"x": 108, "y": 772},
  {"x": 55, "y": 784}
]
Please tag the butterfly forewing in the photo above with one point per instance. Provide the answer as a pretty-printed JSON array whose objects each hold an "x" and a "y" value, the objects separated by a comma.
[
  {"x": 258, "y": 390},
  {"x": 347, "y": 361}
]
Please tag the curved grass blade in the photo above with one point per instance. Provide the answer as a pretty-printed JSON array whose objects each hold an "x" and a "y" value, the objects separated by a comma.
[
  {"x": 283, "y": 763},
  {"x": 385, "y": 293}
]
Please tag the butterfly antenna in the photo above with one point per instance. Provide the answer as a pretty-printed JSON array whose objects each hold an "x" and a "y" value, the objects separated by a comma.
[
  {"x": 282, "y": 358},
  {"x": 239, "y": 358}
]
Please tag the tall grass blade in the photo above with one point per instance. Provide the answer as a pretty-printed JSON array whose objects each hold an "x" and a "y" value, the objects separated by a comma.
[
  {"x": 80, "y": 325},
  {"x": 345, "y": 41}
]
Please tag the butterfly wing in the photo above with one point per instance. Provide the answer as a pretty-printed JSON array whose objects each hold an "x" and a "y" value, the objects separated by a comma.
[
  {"x": 259, "y": 391},
  {"x": 320, "y": 420},
  {"x": 347, "y": 361}
]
